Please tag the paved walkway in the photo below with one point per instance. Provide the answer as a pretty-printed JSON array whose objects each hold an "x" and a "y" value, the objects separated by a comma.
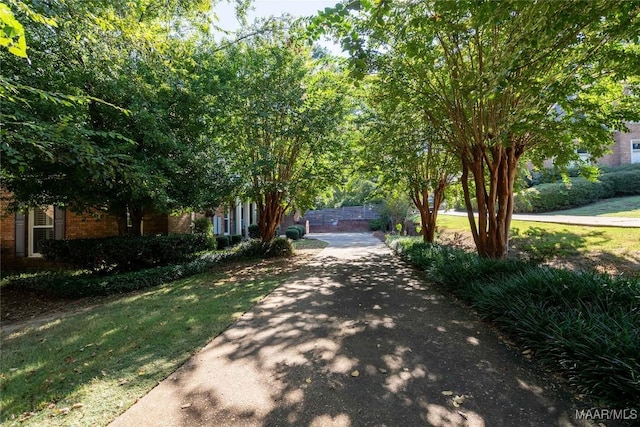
[
  {"x": 355, "y": 338},
  {"x": 604, "y": 221}
]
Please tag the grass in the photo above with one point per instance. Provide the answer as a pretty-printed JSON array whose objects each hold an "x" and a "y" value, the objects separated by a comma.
[
  {"x": 305, "y": 243},
  {"x": 542, "y": 241},
  {"x": 87, "y": 368},
  {"x": 626, "y": 207}
]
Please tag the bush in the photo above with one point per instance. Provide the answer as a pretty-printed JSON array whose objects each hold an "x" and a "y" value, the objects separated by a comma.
[
  {"x": 222, "y": 242},
  {"x": 375, "y": 225},
  {"x": 254, "y": 231},
  {"x": 582, "y": 324},
  {"x": 622, "y": 183},
  {"x": 203, "y": 226},
  {"x": 127, "y": 253},
  {"x": 278, "y": 247},
  {"x": 301, "y": 229},
  {"x": 73, "y": 285},
  {"x": 292, "y": 233},
  {"x": 236, "y": 238},
  {"x": 557, "y": 196}
]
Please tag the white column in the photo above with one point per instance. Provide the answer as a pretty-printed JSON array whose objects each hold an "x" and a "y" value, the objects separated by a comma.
[
  {"x": 246, "y": 219},
  {"x": 254, "y": 206},
  {"x": 238, "y": 217}
]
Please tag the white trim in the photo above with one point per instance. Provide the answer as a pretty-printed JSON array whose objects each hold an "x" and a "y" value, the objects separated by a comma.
[
  {"x": 635, "y": 152},
  {"x": 31, "y": 227}
]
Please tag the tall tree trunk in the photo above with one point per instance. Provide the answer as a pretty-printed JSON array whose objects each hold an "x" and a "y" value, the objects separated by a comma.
[
  {"x": 270, "y": 214},
  {"x": 494, "y": 196}
]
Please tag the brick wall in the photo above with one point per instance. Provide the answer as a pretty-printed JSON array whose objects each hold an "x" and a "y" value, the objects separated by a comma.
[
  {"x": 342, "y": 226},
  {"x": 154, "y": 224},
  {"x": 7, "y": 231},
  {"x": 89, "y": 225},
  {"x": 624, "y": 141}
]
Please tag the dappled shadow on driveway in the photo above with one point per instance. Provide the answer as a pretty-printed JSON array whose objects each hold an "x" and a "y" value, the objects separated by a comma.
[{"x": 355, "y": 338}]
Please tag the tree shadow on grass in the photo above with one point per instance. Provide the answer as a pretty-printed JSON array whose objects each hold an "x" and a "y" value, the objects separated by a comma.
[
  {"x": 355, "y": 340},
  {"x": 570, "y": 250},
  {"x": 122, "y": 348}
]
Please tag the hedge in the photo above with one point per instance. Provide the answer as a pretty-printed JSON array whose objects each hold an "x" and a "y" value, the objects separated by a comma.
[
  {"x": 126, "y": 253},
  {"x": 85, "y": 284},
  {"x": 579, "y": 192}
]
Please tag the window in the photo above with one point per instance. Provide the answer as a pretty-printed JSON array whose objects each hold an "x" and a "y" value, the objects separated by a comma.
[
  {"x": 635, "y": 151},
  {"x": 40, "y": 228},
  {"x": 583, "y": 154},
  {"x": 227, "y": 215}
]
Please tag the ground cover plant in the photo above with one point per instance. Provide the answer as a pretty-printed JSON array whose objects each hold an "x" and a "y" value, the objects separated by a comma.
[
  {"x": 86, "y": 367},
  {"x": 582, "y": 325}
]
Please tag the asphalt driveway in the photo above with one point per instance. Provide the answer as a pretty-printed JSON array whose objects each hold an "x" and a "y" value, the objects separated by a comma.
[{"x": 355, "y": 338}]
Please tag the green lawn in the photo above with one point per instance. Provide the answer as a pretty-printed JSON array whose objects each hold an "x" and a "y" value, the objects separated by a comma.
[
  {"x": 615, "y": 246},
  {"x": 627, "y": 207},
  {"x": 87, "y": 368}
]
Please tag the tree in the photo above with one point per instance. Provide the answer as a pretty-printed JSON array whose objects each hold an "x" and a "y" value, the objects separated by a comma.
[
  {"x": 281, "y": 131},
  {"x": 403, "y": 148},
  {"x": 503, "y": 79},
  {"x": 80, "y": 151}
]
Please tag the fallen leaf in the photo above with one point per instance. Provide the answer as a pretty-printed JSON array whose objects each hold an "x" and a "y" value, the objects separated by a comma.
[
  {"x": 308, "y": 380},
  {"x": 463, "y": 415},
  {"x": 355, "y": 373},
  {"x": 185, "y": 406},
  {"x": 458, "y": 400},
  {"x": 382, "y": 370},
  {"x": 447, "y": 393},
  {"x": 122, "y": 381},
  {"x": 76, "y": 406}
]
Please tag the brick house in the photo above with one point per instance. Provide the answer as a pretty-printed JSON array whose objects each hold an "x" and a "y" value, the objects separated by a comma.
[
  {"x": 22, "y": 232},
  {"x": 626, "y": 147}
]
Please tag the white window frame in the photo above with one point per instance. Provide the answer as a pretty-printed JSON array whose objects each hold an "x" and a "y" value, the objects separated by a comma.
[
  {"x": 634, "y": 141},
  {"x": 227, "y": 222},
  {"x": 31, "y": 227}
]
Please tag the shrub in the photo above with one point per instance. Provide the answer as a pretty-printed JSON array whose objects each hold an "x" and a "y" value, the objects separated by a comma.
[
  {"x": 278, "y": 247},
  {"x": 222, "y": 242},
  {"x": 256, "y": 248},
  {"x": 558, "y": 195},
  {"x": 254, "y": 231},
  {"x": 292, "y": 233},
  {"x": 622, "y": 183},
  {"x": 127, "y": 253},
  {"x": 203, "y": 226},
  {"x": 582, "y": 324},
  {"x": 236, "y": 238},
  {"x": 301, "y": 229},
  {"x": 375, "y": 224}
]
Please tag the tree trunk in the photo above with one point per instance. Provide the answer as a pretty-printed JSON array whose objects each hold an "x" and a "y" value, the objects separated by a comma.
[
  {"x": 270, "y": 213},
  {"x": 494, "y": 196},
  {"x": 135, "y": 214}
]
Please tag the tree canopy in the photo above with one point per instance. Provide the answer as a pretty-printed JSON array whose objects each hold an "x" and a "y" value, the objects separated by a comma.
[
  {"x": 499, "y": 80},
  {"x": 111, "y": 111},
  {"x": 281, "y": 124}
]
